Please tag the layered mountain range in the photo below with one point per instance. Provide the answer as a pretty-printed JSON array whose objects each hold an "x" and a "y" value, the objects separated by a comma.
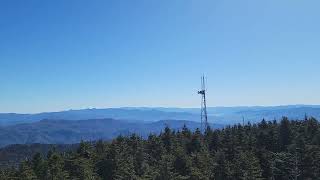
[
  {"x": 218, "y": 115},
  {"x": 69, "y": 127}
]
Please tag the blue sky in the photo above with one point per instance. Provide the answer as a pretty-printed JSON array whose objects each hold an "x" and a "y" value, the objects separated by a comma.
[{"x": 58, "y": 55}]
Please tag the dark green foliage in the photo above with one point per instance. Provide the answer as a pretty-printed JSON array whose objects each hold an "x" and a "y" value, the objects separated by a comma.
[
  {"x": 267, "y": 150},
  {"x": 56, "y": 170},
  {"x": 247, "y": 166},
  {"x": 12, "y": 155},
  {"x": 222, "y": 166},
  {"x": 39, "y": 166},
  {"x": 80, "y": 165},
  {"x": 284, "y": 134},
  {"x": 26, "y": 172}
]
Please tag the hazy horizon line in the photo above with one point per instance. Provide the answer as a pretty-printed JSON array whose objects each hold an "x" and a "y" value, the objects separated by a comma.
[{"x": 160, "y": 107}]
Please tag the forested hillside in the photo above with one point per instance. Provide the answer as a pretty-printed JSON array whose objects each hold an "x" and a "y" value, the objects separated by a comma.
[
  {"x": 267, "y": 150},
  {"x": 12, "y": 155},
  {"x": 72, "y": 132}
]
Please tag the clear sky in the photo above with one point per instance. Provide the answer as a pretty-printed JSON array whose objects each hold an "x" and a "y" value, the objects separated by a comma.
[{"x": 71, "y": 54}]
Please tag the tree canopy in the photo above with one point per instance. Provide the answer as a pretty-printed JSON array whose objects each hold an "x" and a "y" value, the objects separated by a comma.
[{"x": 268, "y": 150}]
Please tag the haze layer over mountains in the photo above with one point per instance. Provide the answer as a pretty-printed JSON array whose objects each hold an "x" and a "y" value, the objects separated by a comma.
[
  {"x": 72, "y": 126},
  {"x": 217, "y": 115}
]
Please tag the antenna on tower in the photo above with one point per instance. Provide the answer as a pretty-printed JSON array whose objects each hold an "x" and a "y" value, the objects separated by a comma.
[{"x": 204, "y": 115}]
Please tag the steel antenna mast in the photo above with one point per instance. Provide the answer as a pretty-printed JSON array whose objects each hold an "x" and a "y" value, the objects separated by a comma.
[{"x": 204, "y": 115}]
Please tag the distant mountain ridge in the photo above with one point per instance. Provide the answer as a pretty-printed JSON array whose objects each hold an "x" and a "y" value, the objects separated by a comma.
[
  {"x": 68, "y": 127},
  {"x": 71, "y": 132},
  {"x": 114, "y": 113},
  {"x": 219, "y": 115},
  {"x": 234, "y": 115}
]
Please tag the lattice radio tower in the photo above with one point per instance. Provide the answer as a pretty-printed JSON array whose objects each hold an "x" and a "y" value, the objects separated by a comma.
[{"x": 204, "y": 115}]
